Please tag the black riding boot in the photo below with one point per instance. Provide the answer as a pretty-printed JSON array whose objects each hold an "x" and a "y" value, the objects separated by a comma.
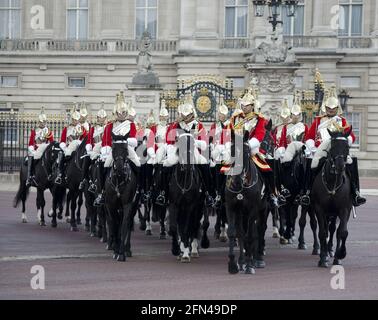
[
  {"x": 101, "y": 174},
  {"x": 352, "y": 170},
  {"x": 206, "y": 182},
  {"x": 60, "y": 178},
  {"x": 30, "y": 181},
  {"x": 277, "y": 173},
  {"x": 275, "y": 198},
  {"x": 148, "y": 177},
  {"x": 86, "y": 164},
  {"x": 162, "y": 198},
  {"x": 220, "y": 180},
  {"x": 308, "y": 181}
]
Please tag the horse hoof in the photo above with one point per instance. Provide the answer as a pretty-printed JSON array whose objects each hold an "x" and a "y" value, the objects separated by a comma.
[
  {"x": 50, "y": 213},
  {"x": 142, "y": 226},
  {"x": 241, "y": 267},
  {"x": 249, "y": 270},
  {"x": 290, "y": 241},
  {"x": 302, "y": 246},
  {"x": 331, "y": 253},
  {"x": 205, "y": 243},
  {"x": 233, "y": 268},
  {"x": 103, "y": 240},
  {"x": 185, "y": 259},
  {"x": 129, "y": 254},
  {"x": 176, "y": 251},
  {"x": 108, "y": 247},
  {"x": 54, "y": 224},
  {"x": 78, "y": 222},
  {"x": 216, "y": 235},
  {"x": 163, "y": 237},
  {"x": 121, "y": 258},
  {"x": 115, "y": 256},
  {"x": 341, "y": 254},
  {"x": 194, "y": 255},
  {"x": 92, "y": 234},
  {"x": 24, "y": 220},
  {"x": 275, "y": 235},
  {"x": 315, "y": 252},
  {"x": 322, "y": 264},
  {"x": 148, "y": 233},
  {"x": 337, "y": 262},
  {"x": 42, "y": 223},
  {"x": 283, "y": 241},
  {"x": 223, "y": 239},
  {"x": 260, "y": 264},
  {"x": 74, "y": 229},
  {"x": 68, "y": 220},
  {"x": 60, "y": 217}
]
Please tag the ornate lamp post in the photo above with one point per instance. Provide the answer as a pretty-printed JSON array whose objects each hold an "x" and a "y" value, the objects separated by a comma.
[
  {"x": 343, "y": 98},
  {"x": 274, "y": 9}
]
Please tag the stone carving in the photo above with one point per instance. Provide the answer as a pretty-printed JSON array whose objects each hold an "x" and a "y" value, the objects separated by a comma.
[
  {"x": 144, "y": 59},
  {"x": 273, "y": 82}
]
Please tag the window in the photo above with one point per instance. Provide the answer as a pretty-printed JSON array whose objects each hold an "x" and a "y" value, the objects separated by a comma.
[
  {"x": 146, "y": 18},
  {"x": 9, "y": 131},
  {"x": 354, "y": 119},
  {"x": 236, "y": 18},
  {"x": 10, "y": 19},
  {"x": 293, "y": 26},
  {"x": 350, "y": 18},
  {"x": 76, "y": 82},
  {"x": 350, "y": 82},
  {"x": 77, "y": 19},
  {"x": 238, "y": 82},
  {"x": 8, "y": 81}
]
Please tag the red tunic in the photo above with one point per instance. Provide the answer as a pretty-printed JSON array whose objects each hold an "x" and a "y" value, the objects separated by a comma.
[
  {"x": 312, "y": 132},
  {"x": 107, "y": 137},
  {"x": 63, "y": 136},
  {"x": 151, "y": 138},
  {"x": 32, "y": 139},
  {"x": 90, "y": 139},
  {"x": 284, "y": 141},
  {"x": 223, "y": 138}
]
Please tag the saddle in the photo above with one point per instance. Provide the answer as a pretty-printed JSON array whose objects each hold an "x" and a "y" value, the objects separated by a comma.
[{"x": 258, "y": 159}]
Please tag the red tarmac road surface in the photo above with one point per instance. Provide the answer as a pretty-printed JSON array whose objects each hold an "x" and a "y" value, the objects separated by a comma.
[{"x": 78, "y": 267}]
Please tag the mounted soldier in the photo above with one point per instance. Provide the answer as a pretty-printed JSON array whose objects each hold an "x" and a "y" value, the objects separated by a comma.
[
  {"x": 70, "y": 139},
  {"x": 121, "y": 126},
  {"x": 318, "y": 143},
  {"x": 251, "y": 121},
  {"x": 187, "y": 125},
  {"x": 93, "y": 145},
  {"x": 218, "y": 138},
  {"x": 39, "y": 139}
]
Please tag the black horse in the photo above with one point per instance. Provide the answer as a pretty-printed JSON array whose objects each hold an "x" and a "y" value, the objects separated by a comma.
[
  {"x": 120, "y": 191},
  {"x": 74, "y": 174},
  {"x": 244, "y": 206},
  {"x": 331, "y": 196},
  {"x": 45, "y": 171},
  {"x": 185, "y": 202}
]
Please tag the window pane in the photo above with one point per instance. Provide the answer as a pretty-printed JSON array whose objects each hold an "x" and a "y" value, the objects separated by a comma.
[
  {"x": 141, "y": 3},
  {"x": 83, "y": 3},
  {"x": 15, "y": 24},
  {"x": 83, "y": 24},
  {"x": 230, "y": 22},
  {"x": 76, "y": 82},
  {"x": 354, "y": 119},
  {"x": 287, "y": 22},
  {"x": 139, "y": 28},
  {"x": 4, "y": 24},
  {"x": 242, "y": 21},
  {"x": 15, "y": 4},
  {"x": 4, "y": 3},
  {"x": 357, "y": 20},
  {"x": 9, "y": 81},
  {"x": 230, "y": 2},
  {"x": 242, "y": 2},
  {"x": 71, "y": 24},
  {"x": 344, "y": 20},
  {"x": 299, "y": 21},
  {"x": 152, "y": 3},
  {"x": 152, "y": 22}
]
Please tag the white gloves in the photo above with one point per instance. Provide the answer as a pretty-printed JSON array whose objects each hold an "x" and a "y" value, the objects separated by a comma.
[
  {"x": 62, "y": 146},
  {"x": 151, "y": 153},
  {"x": 200, "y": 144},
  {"x": 280, "y": 152},
  {"x": 255, "y": 151},
  {"x": 253, "y": 144},
  {"x": 105, "y": 152},
  {"x": 132, "y": 142},
  {"x": 88, "y": 147},
  {"x": 350, "y": 141},
  {"x": 31, "y": 149}
]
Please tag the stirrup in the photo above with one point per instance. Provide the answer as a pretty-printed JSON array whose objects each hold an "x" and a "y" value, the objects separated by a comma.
[
  {"x": 58, "y": 180},
  {"x": 160, "y": 199},
  {"x": 209, "y": 201},
  {"x": 305, "y": 200},
  {"x": 99, "y": 201},
  {"x": 217, "y": 201},
  {"x": 285, "y": 192},
  {"x": 146, "y": 196},
  {"x": 92, "y": 187}
]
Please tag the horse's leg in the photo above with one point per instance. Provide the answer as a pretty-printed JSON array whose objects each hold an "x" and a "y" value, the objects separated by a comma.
[
  {"x": 147, "y": 214},
  {"x": 54, "y": 223},
  {"x": 261, "y": 226},
  {"x": 223, "y": 231},
  {"x": 79, "y": 204},
  {"x": 217, "y": 226},
  {"x": 125, "y": 232},
  {"x": 173, "y": 229},
  {"x": 302, "y": 225},
  {"x": 314, "y": 225},
  {"x": 183, "y": 221},
  {"x": 249, "y": 242},
  {"x": 332, "y": 229},
  {"x": 68, "y": 205},
  {"x": 342, "y": 235},
  {"x": 323, "y": 229},
  {"x": 231, "y": 232},
  {"x": 162, "y": 213},
  {"x": 40, "y": 207},
  {"x": 205, "y": 243},
  {"x": 74, "y": 196},
  {"x": 293, "y": 220}
]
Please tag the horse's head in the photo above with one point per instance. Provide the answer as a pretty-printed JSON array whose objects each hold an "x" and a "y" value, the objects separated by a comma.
[
  {"x": 52, "y": 152},
  {"x": 185, "y": 144},
  {"x": 268, "y": 142},
  {"x": 339, "y": 150},
  {"x": 119, "y": 153}
]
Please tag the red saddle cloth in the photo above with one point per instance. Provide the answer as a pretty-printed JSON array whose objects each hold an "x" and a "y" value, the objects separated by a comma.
[{"x": 259, "y": 161}]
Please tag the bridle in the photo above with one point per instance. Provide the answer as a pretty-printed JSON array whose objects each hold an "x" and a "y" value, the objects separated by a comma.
[{"x": 121, "y": 177}]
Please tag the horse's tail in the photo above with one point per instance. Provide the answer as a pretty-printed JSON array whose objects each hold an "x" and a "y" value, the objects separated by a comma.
[{"x": 22, "y": 193}]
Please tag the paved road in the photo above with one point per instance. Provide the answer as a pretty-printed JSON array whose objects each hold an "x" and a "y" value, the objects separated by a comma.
[{"x": 77, "y": 266}]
